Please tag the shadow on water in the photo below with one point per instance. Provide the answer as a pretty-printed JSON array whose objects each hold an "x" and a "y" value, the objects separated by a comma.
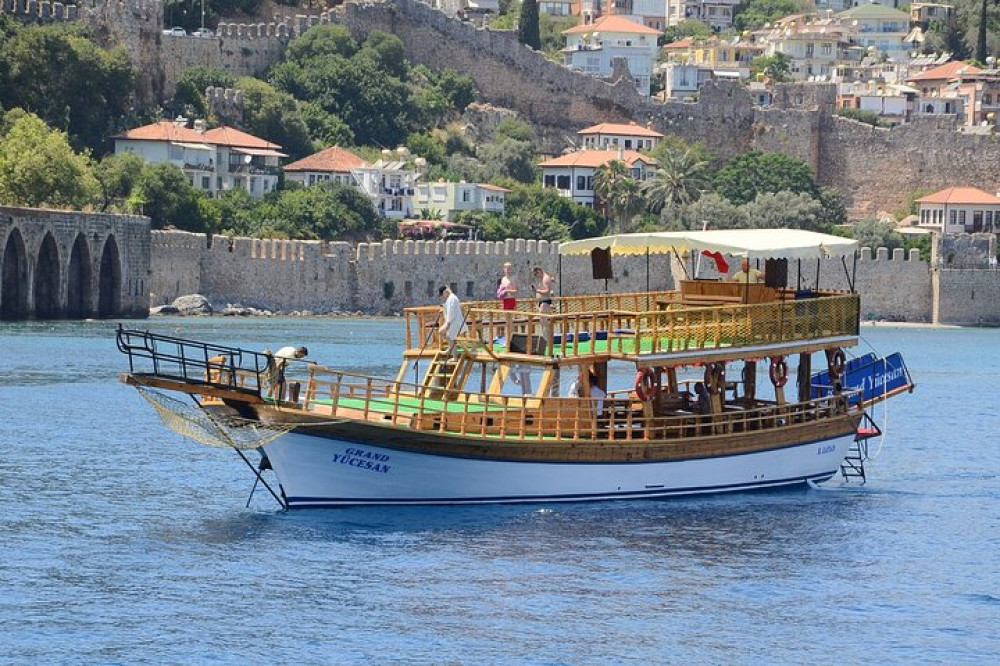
[{"x": 718, "y": 527}]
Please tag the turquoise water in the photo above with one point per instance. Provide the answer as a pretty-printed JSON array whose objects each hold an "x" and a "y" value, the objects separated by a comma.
[{"x": 123, "y": 543}]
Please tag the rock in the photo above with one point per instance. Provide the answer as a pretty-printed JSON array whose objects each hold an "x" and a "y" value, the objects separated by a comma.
[
  {"x": 192, "y": 304},
  {"x": 163, "y": 310}
]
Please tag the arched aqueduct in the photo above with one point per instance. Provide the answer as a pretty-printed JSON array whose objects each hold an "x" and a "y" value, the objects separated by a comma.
[{"x": 63, "y": 265}]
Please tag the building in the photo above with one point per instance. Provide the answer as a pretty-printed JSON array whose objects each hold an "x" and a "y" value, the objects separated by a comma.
[
  {"x": 391, "y": 186},
  {"x": 882, "y": 28},
  {"x": 333, "y": 164},
  {"x": 448, "y": 199},
  {"x": 573, "y": 174},
  {"x": 593, "y": 47},
  {"x": 960, "y": 210},
  {"x": 924, "y": 12},
  {"x": 213, "y": 160},
  {"x": 612, "y": 136},
  {"x": 559, "y": 7},
  {"x": 716, "y": 14}
]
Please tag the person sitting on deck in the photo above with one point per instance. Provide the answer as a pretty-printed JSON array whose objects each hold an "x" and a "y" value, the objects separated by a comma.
[{"x": 704, "y": 403}]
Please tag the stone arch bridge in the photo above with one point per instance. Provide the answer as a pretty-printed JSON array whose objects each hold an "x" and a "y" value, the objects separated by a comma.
[{"x": 70, "y": 265}]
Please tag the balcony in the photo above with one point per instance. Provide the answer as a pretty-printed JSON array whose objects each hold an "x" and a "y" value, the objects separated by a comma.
[{"x": 254, "y": 169}]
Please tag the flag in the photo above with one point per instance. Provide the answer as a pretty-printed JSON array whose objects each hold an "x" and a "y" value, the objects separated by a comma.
[{"x": 720, "y": 261}]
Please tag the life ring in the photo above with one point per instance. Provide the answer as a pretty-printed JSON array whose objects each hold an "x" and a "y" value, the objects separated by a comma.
[
  {"x": 838, "y": 361},
  {"x": 715, "y": 377},
  {"x": 647, "y": 384},
  {"x": 778, "y": 371}
]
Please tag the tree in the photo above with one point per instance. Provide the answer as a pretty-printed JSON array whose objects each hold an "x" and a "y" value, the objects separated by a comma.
[
  {"x": 874, "y": 233},
  {"x": 68, "y": 81},
  {"x": 752, "y": 173},
  {"x": 783, "y": 210},
  {"x": 165, "y": 195},
  {"x": 606, "y": 179},
  {"x": 189, "y": 93},
  {"x": 777, "y": 68},
  {"x": 686, "y": 28},
  {"x": 679, "y": 180},
  {"x": 330, "y": 211},
  {"x": 947, "y": 36},
  {"x": 717, "y": 211},
  {"x": 327, "y": 39},
  {"x": 39, "y": 168},
  {"x": 509, "y": 159},
  {"x": 527, "y": 27},
  {"x": 275, "y": 116},
  {"x": 626, "y": 202},
  {"x": 755, "y": 13},
  {"x": 117, "y": 176}
]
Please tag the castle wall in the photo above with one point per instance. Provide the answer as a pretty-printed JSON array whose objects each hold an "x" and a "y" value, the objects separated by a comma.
[{"x": 970, "y": 297}]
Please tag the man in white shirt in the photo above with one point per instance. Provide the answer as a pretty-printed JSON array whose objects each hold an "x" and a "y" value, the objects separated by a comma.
[
  {"x": 276, "y": 368},
  {"x": 454, "y": 321}
]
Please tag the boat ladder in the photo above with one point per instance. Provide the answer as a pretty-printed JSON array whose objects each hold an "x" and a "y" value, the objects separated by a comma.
[
  {"x": 853, "y": 466},
  {"x": 446, "y": 373}
]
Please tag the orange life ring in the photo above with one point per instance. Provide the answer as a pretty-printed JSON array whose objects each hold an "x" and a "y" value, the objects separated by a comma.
[
  {"x": 647, "y": 384},
  {"x": 778, "y": 371}
]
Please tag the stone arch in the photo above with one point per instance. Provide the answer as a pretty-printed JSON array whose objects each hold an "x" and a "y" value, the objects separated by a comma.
[
  {"x": 14, "y": 278},
  {"x": 46, "y": 283},
  {"x": 109, "y": 295},
  {"x": 79, "y": 282}
]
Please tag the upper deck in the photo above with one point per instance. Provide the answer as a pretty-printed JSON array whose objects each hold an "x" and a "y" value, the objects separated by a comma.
[{"x": 651, "y": 328}]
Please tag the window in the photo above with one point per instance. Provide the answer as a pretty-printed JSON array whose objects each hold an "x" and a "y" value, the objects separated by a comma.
[
  {"x": 826, "y": 49},
  {"x": 590, "y": 183},
  {"x": 961, "y": 218},
  {"x": 549, "y": 180},
  {"x": 206, "y": 182},
  {"x": 466, "y": 198},
  {"x": 952, "y": 218},
  {"x": 312, "y": 179},
  {"x": 581, "y": 182},
  {"x": 470, "y": 288},
  {"x": 562, "y": 182}
]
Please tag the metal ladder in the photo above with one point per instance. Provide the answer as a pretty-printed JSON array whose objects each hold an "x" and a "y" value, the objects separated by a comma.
[{"x": 853, "y": 465}]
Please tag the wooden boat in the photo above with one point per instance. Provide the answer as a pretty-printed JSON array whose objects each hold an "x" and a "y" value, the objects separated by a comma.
[{"x": 482, "y": 418}]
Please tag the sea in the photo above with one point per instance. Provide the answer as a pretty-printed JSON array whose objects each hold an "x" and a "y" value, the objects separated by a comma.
[{"x": 124, "y": 543}]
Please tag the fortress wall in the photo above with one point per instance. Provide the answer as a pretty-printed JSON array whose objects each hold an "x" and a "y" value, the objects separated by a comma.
[
  {"x": 175, "y": 266},
  {"x": 396, "y": 274},
  {"x": 969, "y": 296}
]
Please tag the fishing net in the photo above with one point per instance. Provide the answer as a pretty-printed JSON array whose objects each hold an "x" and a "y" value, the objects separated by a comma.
[{"x": 212, "y": 428}]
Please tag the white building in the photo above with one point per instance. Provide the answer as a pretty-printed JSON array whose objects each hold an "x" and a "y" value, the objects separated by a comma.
[
  {"x": 957, "y": 210},
  {"x": 213, "y": 160},
  {"x": 593, "y": 47},
  {"x": 449, "y": 198},
  {"x": 883, "y": 28},
  {"x": 612, "y": 136},
  {"x": 573, "y": 174},
  {"x": 391, "y": 186},
  {"x": 716, "y": 14},
  {"x": 333, "y": 164}
]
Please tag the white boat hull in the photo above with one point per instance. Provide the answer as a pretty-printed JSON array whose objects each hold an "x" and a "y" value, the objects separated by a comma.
[{"x": 322, "y": 472}]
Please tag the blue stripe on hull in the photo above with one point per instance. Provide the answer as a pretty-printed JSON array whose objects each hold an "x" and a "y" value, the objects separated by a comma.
[{"x": 319, "y": 502}]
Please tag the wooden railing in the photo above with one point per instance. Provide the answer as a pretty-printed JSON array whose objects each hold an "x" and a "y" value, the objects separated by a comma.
[
  {"x": 634, "y": 333},
  {"x": 619, "y": 416}
]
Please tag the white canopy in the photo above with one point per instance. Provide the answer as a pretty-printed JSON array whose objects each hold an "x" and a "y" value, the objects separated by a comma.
[{"x": 749, "y": 243}]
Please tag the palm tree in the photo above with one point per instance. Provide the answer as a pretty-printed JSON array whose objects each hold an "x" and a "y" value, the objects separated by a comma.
[
  {"x": 679, "y": 180},
  {"x": 606, "y": 179},
  {"x": 627, "y": 202}
]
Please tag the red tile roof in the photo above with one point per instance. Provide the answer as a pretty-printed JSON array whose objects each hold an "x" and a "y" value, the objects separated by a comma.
[
  {"x": 596, "y": 158},
  {"x": 163, "y": 130},
  {"x": 166, "y": 130},
  {"x": 960, "y": 195},
  {"x": 229, "y": 136},
  {"x": 334, "y": 158},
  {"x": 945, "y": 71},
  {"x": 612, "y": 23},
  {"x": 625, "y": 129}
]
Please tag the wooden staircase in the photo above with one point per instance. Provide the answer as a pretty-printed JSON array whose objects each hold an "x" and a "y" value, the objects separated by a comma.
[{"x": 446, "y": 375}]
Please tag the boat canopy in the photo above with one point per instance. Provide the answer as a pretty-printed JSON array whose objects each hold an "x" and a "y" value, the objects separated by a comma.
[{"x": 749, "y": 243}]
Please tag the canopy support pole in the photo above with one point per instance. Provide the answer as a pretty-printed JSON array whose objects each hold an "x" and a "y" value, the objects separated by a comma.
[
  {"x": 647, "y": 278},
  {"x": 681, "y": 262}
]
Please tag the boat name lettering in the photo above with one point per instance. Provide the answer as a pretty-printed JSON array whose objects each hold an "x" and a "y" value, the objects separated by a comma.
[
  {"x": 363, "y": 460},
  {"x": 828, "y": 448}
]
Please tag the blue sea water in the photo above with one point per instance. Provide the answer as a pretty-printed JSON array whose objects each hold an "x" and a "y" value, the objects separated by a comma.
[{"x": 123, "y": 543}]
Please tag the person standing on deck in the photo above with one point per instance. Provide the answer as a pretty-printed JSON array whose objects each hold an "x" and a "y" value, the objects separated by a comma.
[
  {"x": 276, "y": 368},
  {"x": 453, "y": 324},
  {"x": 507, "y": 289},
  {"x": 747, "y": 275},
  {"x": 543, "y": 290}
]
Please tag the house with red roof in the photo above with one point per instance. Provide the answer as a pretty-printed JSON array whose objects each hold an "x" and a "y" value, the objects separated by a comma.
[
  {"x": 956, "y": 210},
  {"x": 573, "y": 174},
  {"x": 612, "y": 136},
  {"x": 593, "y": 47},
  {"x": 333, "y": 164},
  {"x": 213, "y": 160}
]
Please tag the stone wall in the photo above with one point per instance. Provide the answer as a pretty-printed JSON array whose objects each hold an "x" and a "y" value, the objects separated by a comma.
[
  {"x": 384, "y": 278},
  {"x": 57, "y": 263}
]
